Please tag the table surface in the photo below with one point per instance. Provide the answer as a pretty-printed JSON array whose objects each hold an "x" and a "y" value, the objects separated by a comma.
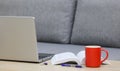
[{"x": 23, "y": 66}]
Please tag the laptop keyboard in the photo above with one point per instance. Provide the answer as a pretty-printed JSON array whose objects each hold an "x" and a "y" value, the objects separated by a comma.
[{"x": 45, "y": 56}]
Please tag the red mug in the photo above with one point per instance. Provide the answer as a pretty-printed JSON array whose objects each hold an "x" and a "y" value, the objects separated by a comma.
[{"x": 93, "y": 55}]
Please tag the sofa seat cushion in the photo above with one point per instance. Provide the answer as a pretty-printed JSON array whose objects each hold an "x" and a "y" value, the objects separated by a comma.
[
  {"x": 97, "y": 22},
  {"x": 59, "y": 48},
  {"x": 53, "y": 18}
]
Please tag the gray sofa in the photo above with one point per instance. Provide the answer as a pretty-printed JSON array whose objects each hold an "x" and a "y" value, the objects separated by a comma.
[{"x": 69, "y": 25}]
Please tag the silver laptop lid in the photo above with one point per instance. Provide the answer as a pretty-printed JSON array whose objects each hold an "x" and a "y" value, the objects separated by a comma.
[{"x": 18, "y": 38}]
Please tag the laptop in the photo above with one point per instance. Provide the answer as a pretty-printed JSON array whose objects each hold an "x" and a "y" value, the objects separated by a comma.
[{"x": 18, "y": 40}]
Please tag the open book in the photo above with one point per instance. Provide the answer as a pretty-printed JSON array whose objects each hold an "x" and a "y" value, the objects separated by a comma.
[{"x": 70, "y": 57}]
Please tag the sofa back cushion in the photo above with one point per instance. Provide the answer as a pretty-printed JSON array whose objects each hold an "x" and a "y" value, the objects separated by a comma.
[
  {"x": 53, "y": 18},
  {"x": 97, "y": 22}
]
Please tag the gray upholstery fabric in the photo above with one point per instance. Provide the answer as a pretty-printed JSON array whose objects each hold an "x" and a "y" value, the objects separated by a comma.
[
  {"x": 59, "y": 48},
  {"x": 97, "y": 22},
  {"x": 53, "y": 18}
]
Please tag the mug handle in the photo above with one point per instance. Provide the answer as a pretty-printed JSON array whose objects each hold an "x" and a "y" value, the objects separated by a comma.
[{"x": 102, "y": 49}]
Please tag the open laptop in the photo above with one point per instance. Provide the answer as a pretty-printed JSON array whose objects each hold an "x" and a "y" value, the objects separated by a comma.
[{"x": 18, "y": 40}]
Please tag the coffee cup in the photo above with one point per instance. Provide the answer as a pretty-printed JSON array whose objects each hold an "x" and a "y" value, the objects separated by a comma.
[{"x": 93, "y": 55}]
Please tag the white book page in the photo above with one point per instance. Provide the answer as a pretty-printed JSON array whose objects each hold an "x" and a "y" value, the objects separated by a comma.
[
  {"x": 81, "y": 57},
  {"x": 64, "y": 57}
]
